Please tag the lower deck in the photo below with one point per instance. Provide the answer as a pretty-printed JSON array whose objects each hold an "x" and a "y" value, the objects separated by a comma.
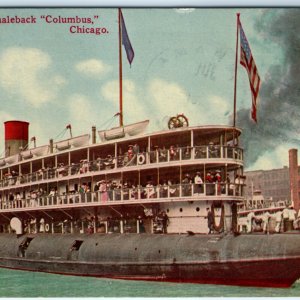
[{"x": 175, "y": 216}]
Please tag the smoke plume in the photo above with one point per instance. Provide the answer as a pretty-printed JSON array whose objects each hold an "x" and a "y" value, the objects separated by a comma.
[{"x": 279, "y": 104}]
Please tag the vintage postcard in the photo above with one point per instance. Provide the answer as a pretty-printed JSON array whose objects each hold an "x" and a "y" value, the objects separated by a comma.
[{"x": 149, "y": 152}]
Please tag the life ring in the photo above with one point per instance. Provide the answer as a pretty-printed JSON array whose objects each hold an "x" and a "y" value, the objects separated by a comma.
[
  {"x": 47, "y": 227},
  {"x": 141, "y": 159},
  {"x": 220, "y": 227}
]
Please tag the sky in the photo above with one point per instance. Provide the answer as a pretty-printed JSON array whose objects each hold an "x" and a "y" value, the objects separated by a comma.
[{"x": 184, "y": 63}]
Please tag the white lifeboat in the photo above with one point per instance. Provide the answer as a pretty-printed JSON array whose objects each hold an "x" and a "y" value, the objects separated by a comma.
[
  {"x": 40, "y": 151},
  {"x": 119, "y": 132},
  {"x": 80, "y": 141},
  {"x": 12, "y": 159},
  {"x": 26, "y": 154},
  {"x": 77, "y": 141}
]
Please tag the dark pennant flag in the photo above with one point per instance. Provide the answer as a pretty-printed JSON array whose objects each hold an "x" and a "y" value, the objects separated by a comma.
[{"x": 126, "y": 41}]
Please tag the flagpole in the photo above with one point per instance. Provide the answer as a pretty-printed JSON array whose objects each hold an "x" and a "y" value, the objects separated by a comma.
[
  {"x": 120, "y": 71},
  {"x": 235, "y": 72}
]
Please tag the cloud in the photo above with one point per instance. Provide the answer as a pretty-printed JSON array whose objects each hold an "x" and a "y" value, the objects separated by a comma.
[
  {"x": 80, "y": 109},
  {"x": 278, "y": 108},
  {"x": 59, "y": 80},
  {"x": 271, "y": 159},
  {"x": 159, "y": 100},
  {"x": 22, "y": 71},
  {"x": 134, "y": 107},
  {"x": 93, "y": 68},
  {"x": 167, "y": 99},
  {"x": 167, "y": 96}
]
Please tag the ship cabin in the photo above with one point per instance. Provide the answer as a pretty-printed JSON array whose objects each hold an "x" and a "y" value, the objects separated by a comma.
[{"x": 162, "y": 182}]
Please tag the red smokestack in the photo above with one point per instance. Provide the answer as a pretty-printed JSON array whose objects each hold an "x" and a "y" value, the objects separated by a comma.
[
  {"x": 293, "y": 166},
  {"x": 16, "y": 136}
]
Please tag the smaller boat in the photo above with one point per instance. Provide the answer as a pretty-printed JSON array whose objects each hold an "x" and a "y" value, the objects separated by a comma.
[
  {"x": 12, "y": 159},
  {"x": 40, "y": 151},
  {"x": 78, "y": 141},
  {"x": 119, "y": 132},
  {"x": 26, "y": 154},
  {"x": 35, "y": 152}
]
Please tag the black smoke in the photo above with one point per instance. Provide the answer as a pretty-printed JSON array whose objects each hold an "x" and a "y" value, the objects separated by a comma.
[{"x": 279, "y": 103}]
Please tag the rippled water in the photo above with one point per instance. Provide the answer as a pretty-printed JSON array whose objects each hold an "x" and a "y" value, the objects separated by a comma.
[{"x": 33, "y": 284}]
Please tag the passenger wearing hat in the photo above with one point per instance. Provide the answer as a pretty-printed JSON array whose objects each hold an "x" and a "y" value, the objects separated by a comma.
[
  {"x": 136, "y": 149},
  {"x": 125, "y": 191},
  {"x": 130, "y": 152},
  {"x": 292, "y": 217},
  {"x": 218, "y": 176},
  {"x": 150, "y": 190},
  {"x": 172, "y": 152},
  {"x": 96, "y": 191},
  {"x": 285, "y": 215},
  {"x": 217, "y": 179},
  {"x": 209, "y": 184},
  {"x": 163, "y": 154},
  {"x": 103, "y": 191},
  {"x": 208, "y": 178},
  {"x": 211, "y": 149},
  {"x": 210, "y": 221},
  {"x": 85, "y": 166},
  {"x": 198, "y": 184},
  {"x": 186, "y": 185}
]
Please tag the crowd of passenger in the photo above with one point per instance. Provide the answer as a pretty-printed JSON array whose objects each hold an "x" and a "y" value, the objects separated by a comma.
[
  {"x": 133, "y": 156},
  {"x": 131, "y": 223},
  {"x": 212, "y": 183},
  {"x": 278, "y": 221}
]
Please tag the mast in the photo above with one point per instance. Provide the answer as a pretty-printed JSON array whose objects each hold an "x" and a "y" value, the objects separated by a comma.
[
  {"x": 120, "y": 71},
  {"x": 235, "y": 71}
]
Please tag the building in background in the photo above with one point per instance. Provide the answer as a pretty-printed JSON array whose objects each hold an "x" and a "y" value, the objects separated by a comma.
[{"x": 274, "y": 184}]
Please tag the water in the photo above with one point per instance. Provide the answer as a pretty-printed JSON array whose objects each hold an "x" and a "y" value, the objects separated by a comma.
[{"x": 33, "y": 284}]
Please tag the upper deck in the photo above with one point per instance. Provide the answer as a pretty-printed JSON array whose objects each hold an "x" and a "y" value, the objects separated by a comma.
[
  {"x": 205, "y": 145},
  {"x": 150, "y": 171}
]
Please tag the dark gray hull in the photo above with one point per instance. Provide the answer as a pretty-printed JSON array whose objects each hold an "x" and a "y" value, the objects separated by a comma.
[{"x": 253, "y": 260}]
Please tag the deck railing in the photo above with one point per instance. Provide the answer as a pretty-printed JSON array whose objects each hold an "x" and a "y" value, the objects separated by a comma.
[
  {"x": 125, "y": 161},
  {"x": 161, "y": 192}
]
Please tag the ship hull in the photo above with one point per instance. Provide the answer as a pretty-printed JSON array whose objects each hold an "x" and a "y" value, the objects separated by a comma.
[
  {"x": 253, "y": 260},
  {"x": 210, "y": 273}
]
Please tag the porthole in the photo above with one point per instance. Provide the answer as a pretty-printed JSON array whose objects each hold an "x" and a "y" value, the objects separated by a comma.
[
  {"x": 197, "y": 209},
  {"x": 135, "y": 249},
  {"x": 168, "y": 210},
  {"x": 180, "y": 209}
]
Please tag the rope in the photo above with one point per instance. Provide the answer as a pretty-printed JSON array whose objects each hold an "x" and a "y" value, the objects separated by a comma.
[
  {"x": 61, "y": 134},
  {"x": 108, "y": 122}
]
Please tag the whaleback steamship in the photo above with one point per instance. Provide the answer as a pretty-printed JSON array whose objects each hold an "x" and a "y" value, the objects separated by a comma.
[
  {"x": 131, "y": 205},
  {"x": 134, "y": 206}
]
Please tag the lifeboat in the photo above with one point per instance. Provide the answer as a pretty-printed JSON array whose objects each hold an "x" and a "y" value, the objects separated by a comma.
[
  {"x": 12, "y": 159},
  {"x": 120, "y": 132},
  {"x": 80, "y": 141},
  {"x": 40, "y": 151}
]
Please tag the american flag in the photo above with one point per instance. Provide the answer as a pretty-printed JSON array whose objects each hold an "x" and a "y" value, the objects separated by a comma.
[{"x": 248, "y": 62}]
